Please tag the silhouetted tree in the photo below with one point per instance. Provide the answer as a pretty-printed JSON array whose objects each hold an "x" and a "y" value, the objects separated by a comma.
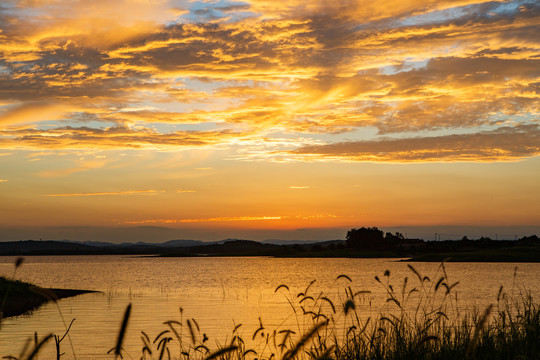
[
  {"x": 529, "y": 241},
  {"x": 365, "y": 238},
  {"x": 394, "y": 237}
]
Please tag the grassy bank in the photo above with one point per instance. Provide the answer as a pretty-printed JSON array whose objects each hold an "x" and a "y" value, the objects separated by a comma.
[{"x": 20, "y": 297}]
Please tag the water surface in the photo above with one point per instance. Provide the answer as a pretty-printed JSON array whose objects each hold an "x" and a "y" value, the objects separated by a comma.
[{"x": 218, "y": 292}]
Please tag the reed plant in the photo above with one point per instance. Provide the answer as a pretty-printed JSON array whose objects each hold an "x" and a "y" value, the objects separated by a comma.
[{"x": 419, "y": 319}]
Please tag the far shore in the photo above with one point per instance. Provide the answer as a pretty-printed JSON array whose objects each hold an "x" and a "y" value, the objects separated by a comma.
[{"x": 360, "y": 243}]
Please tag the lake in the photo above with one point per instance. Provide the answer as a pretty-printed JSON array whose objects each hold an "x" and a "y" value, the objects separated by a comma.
[{"x": 219, "y": 293}]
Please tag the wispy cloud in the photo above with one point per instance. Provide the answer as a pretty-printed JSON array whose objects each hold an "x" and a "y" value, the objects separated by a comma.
[
  {"x": 29, "y": 112},
  {"x": 214, "y": 219},
  {"x": 182, "y": 191},
  {"x": 131, "y": 192},
  {"x": 81, "y": 165},
  {"x": 232, "y": 219}
]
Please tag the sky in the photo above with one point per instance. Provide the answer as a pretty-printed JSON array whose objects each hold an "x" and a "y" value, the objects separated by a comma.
[{"x": 151, "y": 120}]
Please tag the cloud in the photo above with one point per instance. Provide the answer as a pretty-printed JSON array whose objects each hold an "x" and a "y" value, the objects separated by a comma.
[
  {"x": 162, "y": 117},
  {"x": 118, "y": 20},
  {"x": 214, "y": 219},
  {"x": 110, "y": 138},
  {"x": 255, "y": 70},
  {"x": 231, "y": 219},
  {"x": 83, "y": 165},
  {"x": 131, "y": 192},
  {"x": 503, "y": 144},
  {"x": 31, "y": 112}
]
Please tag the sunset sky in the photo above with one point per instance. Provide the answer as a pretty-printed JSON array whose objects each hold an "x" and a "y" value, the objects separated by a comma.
[{"x": 166, "y": 119}]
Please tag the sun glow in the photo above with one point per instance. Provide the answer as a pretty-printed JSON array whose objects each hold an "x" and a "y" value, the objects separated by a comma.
[{"x": 227, "y": 114}]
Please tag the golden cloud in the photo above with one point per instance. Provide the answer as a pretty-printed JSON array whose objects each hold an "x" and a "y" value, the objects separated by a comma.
[
  {"x": 231, "y": 219},
  {"x": 31, "y": 112},
  {"x": 265, "y": 68},
  {"x": 503, "y": 144},
  {"x": 131, "y": 192},
  {"x": 214, "y": 219},
  {"x": 110, "y": 138}
]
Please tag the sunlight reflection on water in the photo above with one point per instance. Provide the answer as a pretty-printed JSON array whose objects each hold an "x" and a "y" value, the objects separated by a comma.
[{"x": 217, "y": 292}]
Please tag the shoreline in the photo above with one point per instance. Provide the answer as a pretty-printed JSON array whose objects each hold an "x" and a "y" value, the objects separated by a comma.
[{"x": 21, "y": 298}]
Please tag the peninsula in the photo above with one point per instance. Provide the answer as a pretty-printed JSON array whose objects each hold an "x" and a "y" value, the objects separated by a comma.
[{"x": 20, "y": 297}]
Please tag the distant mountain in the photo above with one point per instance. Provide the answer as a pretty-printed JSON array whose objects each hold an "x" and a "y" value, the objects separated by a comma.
[
  {"x": 170, "y": 243},
  {"x": 528, "y": 248},
  {"x": 234, "y": 247},
  {"x": 67, "y": 247},
  {"x": 91, "y": 243},
  {"x": 183, "y": 243},
  {"x": 301, "y": 242},
  {"x": 288, "y": 242},
  {"x": 51, "y": 247},
  {"x": 45, "y": 247},
  {"x": 330, "y": 242},
  {"x": 229, "y": 247},
  {"x": 188, "y": 243}
]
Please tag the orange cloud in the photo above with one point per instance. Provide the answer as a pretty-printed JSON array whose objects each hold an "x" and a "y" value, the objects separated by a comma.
[
  {"x": 182, "y": 191},
  {"x": 308, "y": 70},
  {"x": 233, "y": 219},
  {"x": 215, "y": 219},
  {"x": 82, "y": 165},
  {"x": 131, "y": 192},
  {"x": 110, "y": 138},
  {"x": 504, "y": 144},
  {"x": 31, "y": 112}
]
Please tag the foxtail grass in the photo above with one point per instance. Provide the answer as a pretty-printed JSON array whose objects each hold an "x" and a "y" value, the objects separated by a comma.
[{"x": 419, "y": 319}]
